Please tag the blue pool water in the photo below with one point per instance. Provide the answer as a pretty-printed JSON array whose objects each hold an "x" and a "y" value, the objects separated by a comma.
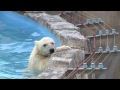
[{"x": 17, "y": 36}]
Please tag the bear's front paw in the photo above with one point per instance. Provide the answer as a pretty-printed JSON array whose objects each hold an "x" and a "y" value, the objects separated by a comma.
[
  {"x": 62, "y": 48},
  {"x": 67, "y": 47}
]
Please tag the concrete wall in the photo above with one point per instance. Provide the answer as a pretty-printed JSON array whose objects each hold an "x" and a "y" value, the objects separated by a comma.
[{"x": 112, "y": 18}]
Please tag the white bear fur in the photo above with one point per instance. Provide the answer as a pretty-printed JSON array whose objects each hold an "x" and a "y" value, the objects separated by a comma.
[{"x": 40, "y": 53}]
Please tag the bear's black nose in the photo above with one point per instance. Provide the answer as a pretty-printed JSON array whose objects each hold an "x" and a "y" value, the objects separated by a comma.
[{"x": 51, "y": 51}]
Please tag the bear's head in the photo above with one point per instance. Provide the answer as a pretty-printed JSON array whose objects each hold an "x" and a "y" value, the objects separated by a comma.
[{"x": 46, "y": 46}]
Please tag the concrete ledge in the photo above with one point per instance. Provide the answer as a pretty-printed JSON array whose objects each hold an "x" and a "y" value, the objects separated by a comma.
[
  {"x": 67, "y": 34},
  {"x": 59, "y": 63}
]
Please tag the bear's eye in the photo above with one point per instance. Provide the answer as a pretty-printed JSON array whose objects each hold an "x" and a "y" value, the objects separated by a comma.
[
  {"x": 45, "y": 45},
  {"x": 52, "y": 43}
]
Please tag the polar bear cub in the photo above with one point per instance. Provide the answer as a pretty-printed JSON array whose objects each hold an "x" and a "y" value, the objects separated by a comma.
[{"x": 42, "y": 52}]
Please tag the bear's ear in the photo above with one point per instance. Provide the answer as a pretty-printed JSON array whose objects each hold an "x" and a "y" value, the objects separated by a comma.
[{"x": 36, "y": 42}]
